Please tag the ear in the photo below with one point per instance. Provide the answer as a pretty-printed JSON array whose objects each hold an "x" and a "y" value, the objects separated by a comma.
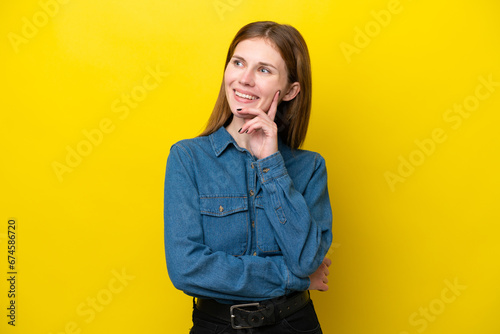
[{"x": 293, "y": 90}]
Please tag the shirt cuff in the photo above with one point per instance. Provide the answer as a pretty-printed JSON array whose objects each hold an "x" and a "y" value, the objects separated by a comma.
[
  {"x": 271, "y": 167},
  {"x": 295, "y": 283}
]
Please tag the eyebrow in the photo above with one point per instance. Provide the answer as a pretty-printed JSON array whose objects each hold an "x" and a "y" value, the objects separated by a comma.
[{"x": 260, "y": 63}]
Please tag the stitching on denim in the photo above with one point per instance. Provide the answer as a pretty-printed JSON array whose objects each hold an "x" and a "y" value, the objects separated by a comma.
[
  {"x": 222, "y": 214},
  {"x": 221, "y": 196},
  {"x": 274, "y": 177},
  {"x": 279, "y": 212},
  {"x": 217, "y": 214}
]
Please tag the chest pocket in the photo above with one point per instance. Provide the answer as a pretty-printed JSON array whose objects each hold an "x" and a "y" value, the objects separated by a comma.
[
  {"x": 265, "y": 232},
  {"x": 225, "y": 223}
]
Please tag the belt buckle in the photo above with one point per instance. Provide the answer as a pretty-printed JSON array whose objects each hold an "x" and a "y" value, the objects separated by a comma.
[{"x": 231, "y": 312}]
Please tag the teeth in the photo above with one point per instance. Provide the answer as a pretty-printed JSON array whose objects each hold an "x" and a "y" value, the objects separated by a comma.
[{"x": 250, "y": 97}]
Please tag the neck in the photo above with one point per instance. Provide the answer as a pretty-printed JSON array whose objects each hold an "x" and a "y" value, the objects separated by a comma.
[{"x": 233, "y": 127}]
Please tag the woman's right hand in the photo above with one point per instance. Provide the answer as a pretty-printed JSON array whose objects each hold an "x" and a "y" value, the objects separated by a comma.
[{"x": 319, "y": 279}]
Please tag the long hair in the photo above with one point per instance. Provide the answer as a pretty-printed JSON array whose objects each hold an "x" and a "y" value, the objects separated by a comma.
[{"x": 292, "y": 117}]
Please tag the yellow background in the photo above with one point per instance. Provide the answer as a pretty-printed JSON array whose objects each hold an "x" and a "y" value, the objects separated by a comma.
[{"x": 397, "y": 246}]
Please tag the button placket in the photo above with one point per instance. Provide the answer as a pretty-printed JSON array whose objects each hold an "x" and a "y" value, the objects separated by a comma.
[{"x": 251, "y": 184}]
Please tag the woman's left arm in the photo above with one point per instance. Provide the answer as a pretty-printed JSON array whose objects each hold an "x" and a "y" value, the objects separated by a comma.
[{"x": 302, "y": 221}]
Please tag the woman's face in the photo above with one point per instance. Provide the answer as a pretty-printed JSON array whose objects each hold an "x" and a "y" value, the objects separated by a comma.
[{"x": 253, "y": 76}]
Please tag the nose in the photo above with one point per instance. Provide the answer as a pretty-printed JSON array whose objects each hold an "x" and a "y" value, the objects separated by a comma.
[{"x": 246, "y": 77}]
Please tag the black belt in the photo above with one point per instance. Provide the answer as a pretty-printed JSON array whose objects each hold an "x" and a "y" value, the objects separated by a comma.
[{"x": 267, "y": 312}]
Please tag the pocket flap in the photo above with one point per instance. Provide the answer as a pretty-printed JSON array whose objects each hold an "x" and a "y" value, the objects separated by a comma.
[{"x": 222, "y": 205}]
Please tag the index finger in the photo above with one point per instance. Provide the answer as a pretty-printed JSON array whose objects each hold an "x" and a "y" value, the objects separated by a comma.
[{"x": 271, "y": 112}]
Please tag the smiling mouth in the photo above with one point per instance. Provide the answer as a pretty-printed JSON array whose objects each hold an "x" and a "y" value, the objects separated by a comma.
[{"x": 245, "y": 96}]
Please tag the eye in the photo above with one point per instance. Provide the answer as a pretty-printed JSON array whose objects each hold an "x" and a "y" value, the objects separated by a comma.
[
  {"x": 265, "y": 70},
  {"x": 236, "y": 62}
]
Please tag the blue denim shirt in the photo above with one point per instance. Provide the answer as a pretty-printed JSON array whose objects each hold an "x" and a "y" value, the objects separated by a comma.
[{"x": 242, "y": 229}]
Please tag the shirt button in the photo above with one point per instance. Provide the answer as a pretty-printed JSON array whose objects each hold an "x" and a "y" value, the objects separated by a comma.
[
  {"x": 221, "y": 208},
  {"x": 254, "y": 253},
  {"x": 265, "y": 170},
  {"x": 251, "y": 192},
  {"x": 251, "y": 166},
  {"x": 253, "y": 224}
]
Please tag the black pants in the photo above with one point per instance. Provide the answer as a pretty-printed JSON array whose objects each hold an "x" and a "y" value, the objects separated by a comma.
[{"x": 303, "y": 321}]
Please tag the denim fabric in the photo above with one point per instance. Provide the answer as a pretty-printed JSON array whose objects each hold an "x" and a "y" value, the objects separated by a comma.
[{"x": 242, "y": 229}]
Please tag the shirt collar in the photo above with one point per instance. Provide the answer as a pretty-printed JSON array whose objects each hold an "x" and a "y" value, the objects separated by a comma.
[{"x": 220, "y": 139}]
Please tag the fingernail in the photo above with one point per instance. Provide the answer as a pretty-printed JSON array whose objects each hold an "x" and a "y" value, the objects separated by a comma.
[
  {"x": 239, "y": 130},
  {"x": 279, "y": 93},
  {"x": 246, "y": 131},
  {"x": 239, "y": 109}
]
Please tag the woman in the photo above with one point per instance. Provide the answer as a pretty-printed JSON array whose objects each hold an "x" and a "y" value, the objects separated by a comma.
[{"x": 247, "y": 213}]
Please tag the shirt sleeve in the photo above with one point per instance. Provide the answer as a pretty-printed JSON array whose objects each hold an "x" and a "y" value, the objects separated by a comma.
[
  {"x": 197, "y": 270},
  {"x": 304, "y": 217}
]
